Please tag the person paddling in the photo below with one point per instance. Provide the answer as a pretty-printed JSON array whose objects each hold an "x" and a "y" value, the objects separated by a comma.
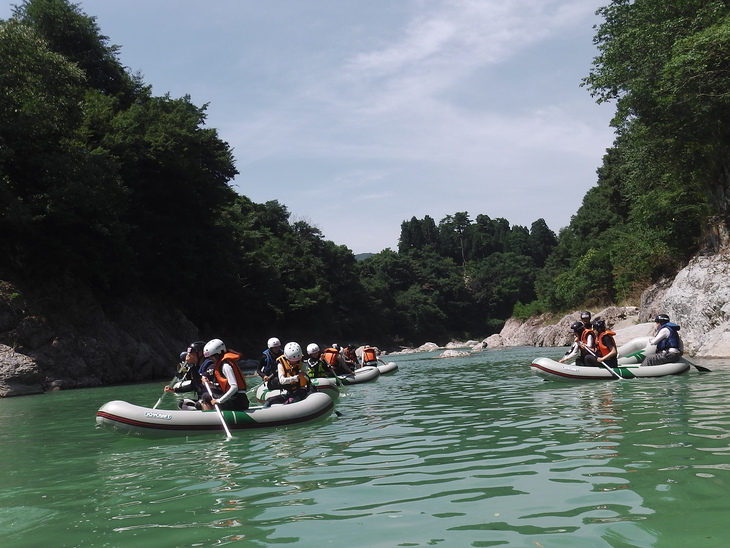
[
  {"x": 316, "y": 366},
  {"x": 583, "y": 344},
  {"x": 229, "y": 384},
  {"x": 606, "y": 350},
  {"x": 193, "y": 360}
]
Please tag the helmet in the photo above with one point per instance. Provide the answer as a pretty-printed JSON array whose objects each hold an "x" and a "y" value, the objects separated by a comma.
[
  {"x": 273, "y": 342},
  {"x": 577, "y": 326},
  {"x": 599, "y": 325},
  {"x": 216, "y": 346},
  {"x": 293, "y": 351},
  {"x": 585, "y": 315},
  {"x": 335, "y": 346},
  {"x": 662, "y": 319},
  {"x": 196, "y": 347},
  {"x": 312, "y": 348}
]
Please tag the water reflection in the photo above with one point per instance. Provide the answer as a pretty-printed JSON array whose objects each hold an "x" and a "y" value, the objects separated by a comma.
[{"x": 474, "y": 451}]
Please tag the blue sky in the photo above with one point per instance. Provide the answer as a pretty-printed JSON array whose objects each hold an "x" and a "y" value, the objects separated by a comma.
[{"x": 358, "y": 115}]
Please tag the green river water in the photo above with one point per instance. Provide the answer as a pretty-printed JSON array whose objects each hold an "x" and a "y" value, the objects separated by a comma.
[{"x": 461, "y": 452}]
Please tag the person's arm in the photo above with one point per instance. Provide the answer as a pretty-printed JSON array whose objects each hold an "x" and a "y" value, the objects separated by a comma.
[
  {"x": 283, "y": 379},
  {"x": 663, "y": 333},
  {"x": 573, "y": 351}
]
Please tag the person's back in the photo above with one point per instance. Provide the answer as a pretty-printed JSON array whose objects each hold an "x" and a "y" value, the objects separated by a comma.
[
  {"x": 369, "y": 356},
  {"x": 335, "y": 360}
]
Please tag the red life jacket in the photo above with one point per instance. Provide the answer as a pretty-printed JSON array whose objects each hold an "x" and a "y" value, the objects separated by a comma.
[
  {"x": 330, "y": 356},
  {"x": 232, "y": 358},
  {"x": 603, "y": 349},
  {"x": 369, "y": 356},
  {"x": 584, "y": 339}
]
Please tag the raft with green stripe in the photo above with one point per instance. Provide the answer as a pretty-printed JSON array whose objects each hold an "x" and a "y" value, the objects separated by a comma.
[{"x": 133, "y": 420}]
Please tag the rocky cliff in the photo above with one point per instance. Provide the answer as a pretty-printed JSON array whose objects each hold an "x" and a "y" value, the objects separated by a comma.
[
  {"x": 698, "y": 299},
  {"x": 76, "y": 342},
  {"x": 56, "y": 340}
]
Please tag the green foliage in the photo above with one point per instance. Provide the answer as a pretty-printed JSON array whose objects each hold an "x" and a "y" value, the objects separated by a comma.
[{"x": 124, "y": 191}]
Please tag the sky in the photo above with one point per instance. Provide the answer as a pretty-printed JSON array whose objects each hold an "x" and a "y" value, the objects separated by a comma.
[{"x": 358, "y": 115}]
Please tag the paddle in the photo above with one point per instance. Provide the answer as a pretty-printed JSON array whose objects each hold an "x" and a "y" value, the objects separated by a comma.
[
  {"x": 610, "y": 369},
  {"x": 218, "y": 410},
  {"x": 698, "y": 367},
  {"x": 165, "y": 392}
]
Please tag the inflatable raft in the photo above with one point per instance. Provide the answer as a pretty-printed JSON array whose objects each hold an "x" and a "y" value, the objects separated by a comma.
[
  {"x": 324, "y": 385},
  {"x": 553, "y": 370},
  {"x": 132, "y": 420},
  {"x": 388, "y": 368},
  {"x": 364, "y": 374}
]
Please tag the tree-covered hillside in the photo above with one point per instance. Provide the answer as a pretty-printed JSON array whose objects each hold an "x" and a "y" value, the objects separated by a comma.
[
  {"x": 663, "y": 187},
  {"x": 106, "y": 186}
]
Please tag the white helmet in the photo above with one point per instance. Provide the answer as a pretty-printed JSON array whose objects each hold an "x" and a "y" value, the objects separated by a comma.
[
  {"x": 216, "y": 346},
  {"x": 293, "y": 351},
  {"x": 312, "y": 348},
  {"x": 273, "y": 342}
]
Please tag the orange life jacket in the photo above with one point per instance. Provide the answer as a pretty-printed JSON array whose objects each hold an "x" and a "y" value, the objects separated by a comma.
[
  {"x": 291, "y": 370},
  {"x": 603, "y": 349},
  {"x": 232, "y": 358},
  {"x": 330, "y": 356},
  {"x": 584, "y": 339},
  {"x": 369, "y": 356}
]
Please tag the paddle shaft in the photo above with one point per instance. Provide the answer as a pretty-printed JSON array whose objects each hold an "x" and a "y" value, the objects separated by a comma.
[
  {"x": 218, "y": 410},
  {"x": 164, "y": 392},
  {"x": 608, "y": 367}
]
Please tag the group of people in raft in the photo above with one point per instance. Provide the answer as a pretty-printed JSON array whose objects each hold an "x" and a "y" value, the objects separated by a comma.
[
  {"x": 214, "y": 374},
  {"x": 594, "y": 345}
]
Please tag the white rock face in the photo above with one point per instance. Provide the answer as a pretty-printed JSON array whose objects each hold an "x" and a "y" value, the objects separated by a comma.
[
  {"x": 453, "y": 354},
  {"x": 699, "y": 301}
]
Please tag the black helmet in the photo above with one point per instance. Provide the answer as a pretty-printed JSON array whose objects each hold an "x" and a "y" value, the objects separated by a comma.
[
  {"x": 577, "y": 327},
  {"x": 197, "y": 347},
  {"x": 662, "y": 319},
  {"x": 585, "y": 315},
  {"x": 599, "y": 325}
]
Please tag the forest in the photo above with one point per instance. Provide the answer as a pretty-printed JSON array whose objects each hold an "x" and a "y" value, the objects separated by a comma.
[{"x": 95, "y": 171}]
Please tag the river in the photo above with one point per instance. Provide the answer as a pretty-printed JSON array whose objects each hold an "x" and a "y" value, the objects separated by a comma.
[{"x": 461, "y": 452}]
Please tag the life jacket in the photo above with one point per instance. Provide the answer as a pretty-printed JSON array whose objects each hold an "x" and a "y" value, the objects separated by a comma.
[
  {"x": 369, "y": 357},
  {"x": 602, "y": 348},
  {"x": 317, "y": 368},
  {"x": 208, "y": 363},
  {"x": 584, "y": 339},
  {"x": 672, "y": 341},
  {"x": 291, "y": 370},
  {"x": 270, "y": 367},
  {"x": 349, "y": 355},
  {"x": 232, "y": 358},
  {"x": 330, "y": 356}
]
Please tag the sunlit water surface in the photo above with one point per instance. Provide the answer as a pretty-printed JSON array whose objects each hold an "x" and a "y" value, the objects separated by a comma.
[{"x": 472, "y": 451}]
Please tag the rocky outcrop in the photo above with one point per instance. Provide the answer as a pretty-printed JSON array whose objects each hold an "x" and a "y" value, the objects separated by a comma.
[
  {"x": 78, "y": 343},
  {"x": 545, "y": 331},
  {"x": 698, "y": 299}
]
